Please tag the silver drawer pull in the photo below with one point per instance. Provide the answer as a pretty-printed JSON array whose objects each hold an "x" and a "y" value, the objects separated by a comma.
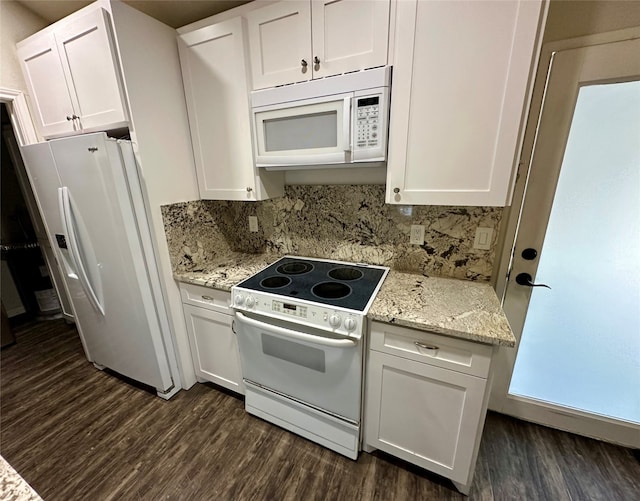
[
  {"x": 207, "y": 298},
  {"x": 426, "y": 346}
]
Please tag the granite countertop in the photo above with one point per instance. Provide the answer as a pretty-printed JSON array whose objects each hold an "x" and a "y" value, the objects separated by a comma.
[
  {"x": 452, "y": 307},
  {"x": 13, "y": 487},
  {"x": 457, "y": 308}
]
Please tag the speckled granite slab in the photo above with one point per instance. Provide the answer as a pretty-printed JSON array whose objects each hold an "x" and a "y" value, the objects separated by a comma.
[
  {"x": 341, "y": 222},
  {"x": 13, "y": 487},
  {"x": 227, "y": 271},
  {"x": 458, "y": 308}
]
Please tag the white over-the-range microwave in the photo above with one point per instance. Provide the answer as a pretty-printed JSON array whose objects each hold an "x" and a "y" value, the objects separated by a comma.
[{"x": 339, "y": 121}]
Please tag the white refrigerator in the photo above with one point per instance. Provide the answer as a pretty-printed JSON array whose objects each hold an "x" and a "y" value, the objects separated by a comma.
[{"x": 89, "y": 194}]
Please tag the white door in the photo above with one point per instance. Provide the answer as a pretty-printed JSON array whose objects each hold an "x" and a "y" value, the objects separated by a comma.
[
  {"x": 216, "y": 87},
  {"x": 280, "y": 43},
  {"x": 98, "y": 223},
  {"x": 424, "y": 414},
  {"x": 348, "y": 35},
  {"x": 90, "y": 68},
  {"x": 312, "y": 131},
  {"x": 317, "y": 368},
  {"x": 51, "y": 102},
  {"x": 578, "y": 357},
  {"x": 459, "y": 94},
  {"x": 214, "y": 347}
]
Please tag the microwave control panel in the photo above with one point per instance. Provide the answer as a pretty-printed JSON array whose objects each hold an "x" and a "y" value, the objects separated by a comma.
[{"x": 368, "y": 122}]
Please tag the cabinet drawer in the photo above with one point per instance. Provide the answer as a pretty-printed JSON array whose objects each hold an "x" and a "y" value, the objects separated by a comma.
[
  {"x": 212, "y": 299},
  {"x": 426, "y": 347}
]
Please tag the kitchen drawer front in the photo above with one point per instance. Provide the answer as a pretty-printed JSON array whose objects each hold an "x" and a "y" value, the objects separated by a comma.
[
  {"x": 441, "y": 351},
  {"x": 204, "y": 297}
]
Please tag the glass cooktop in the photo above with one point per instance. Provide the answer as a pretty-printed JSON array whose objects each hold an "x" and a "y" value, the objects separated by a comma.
[{"x": 333, "y": 283}]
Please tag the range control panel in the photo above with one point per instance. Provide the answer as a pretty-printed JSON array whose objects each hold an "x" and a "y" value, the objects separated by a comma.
[
  {"x": 312, "y": 315},
  {"x": 368, "y": 122}
]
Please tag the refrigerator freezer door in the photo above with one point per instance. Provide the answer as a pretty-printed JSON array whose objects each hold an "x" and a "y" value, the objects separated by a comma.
[
  {"x": 43, "y": 176},
  {"x": 90, "y": 168}
]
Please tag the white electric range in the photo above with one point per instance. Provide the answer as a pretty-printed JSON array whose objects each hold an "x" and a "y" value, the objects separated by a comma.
[{"x": 300, "y": 324}]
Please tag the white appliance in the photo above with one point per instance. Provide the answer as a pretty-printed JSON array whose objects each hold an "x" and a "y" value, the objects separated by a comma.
[
  {"x": 300, "y": 325},
  {"x": 89, "y": 194},
  {"x": 336, "y": 121}
]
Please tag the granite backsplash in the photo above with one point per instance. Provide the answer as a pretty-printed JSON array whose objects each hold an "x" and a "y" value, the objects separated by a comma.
[{"x": 342, "y": 222}]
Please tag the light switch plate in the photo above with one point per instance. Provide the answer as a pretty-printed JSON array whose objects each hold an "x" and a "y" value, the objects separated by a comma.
[
  {"x": 253, "y": 224},
  {"x": 417, "y": 234},
  {"x": 483, "y": 238}
]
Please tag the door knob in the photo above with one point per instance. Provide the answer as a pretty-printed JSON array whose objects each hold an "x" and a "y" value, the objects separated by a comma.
[
  {"x": 525, "y": 279},
  {"x": 529, "y": 254},
  {"x": 303, "y": 63}
]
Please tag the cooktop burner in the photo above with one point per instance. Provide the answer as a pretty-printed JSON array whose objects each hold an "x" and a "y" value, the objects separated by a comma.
[
  {"x": 345, "y": 285},
  {"x": 295, "y": 268},
  {"x": 331, "y": 290}
]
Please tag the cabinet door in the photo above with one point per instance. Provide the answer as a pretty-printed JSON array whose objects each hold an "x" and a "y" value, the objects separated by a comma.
[
  {"x": 280, "y": 43},
  {"x": 90, "y": 68},
  {"x": 423, "y": 414},
  {"x": 349, "y": 35},
  {"x": 214, "y": 347},
  {"x": 44, "y": 76},
  {"x": 216, "y": 87},
  {"x": 215, "y": 81},
  {"x": 459, "y": 98}
]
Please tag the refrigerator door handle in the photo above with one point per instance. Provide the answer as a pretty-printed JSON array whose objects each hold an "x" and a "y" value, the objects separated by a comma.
[{"x": 69, "y": 229}]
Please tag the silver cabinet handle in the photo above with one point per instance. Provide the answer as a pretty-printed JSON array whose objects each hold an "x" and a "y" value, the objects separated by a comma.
[
  {"x": 69, "y": 118},
  {"x": 426, "y": 346},
  {"x": 207, "y": 298},
  {"x": 249, "y": 189},
  {"x": 303, "y": 63},
  {"x": 316, "y": 61},
  {"x": 396, "y": 190}
]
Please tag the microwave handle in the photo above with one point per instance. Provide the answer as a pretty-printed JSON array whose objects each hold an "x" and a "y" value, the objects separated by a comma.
[{"x": 346, "y": 124}]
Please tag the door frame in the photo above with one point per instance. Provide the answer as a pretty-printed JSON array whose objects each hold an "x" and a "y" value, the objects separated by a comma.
[
  {"x": 18, "y": 109},
  {"x": 500, "y": 401}
]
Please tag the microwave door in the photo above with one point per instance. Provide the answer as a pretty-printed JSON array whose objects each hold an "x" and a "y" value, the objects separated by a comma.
[{"x": 304, "y": 133}]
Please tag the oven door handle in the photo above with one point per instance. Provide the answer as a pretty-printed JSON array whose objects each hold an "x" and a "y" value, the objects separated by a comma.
[{"x": 325, "y": 341}]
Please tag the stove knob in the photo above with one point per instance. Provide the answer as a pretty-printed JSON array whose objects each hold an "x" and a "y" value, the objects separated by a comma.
[
  {"x": 335, "y": 320},
  {"x": 350, "y": 324},
  {"x": 239, "y": 299},
  {"x": 249, "y": 302}
]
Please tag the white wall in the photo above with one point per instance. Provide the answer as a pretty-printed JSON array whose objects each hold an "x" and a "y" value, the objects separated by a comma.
[{"x": 16, "y": 24}]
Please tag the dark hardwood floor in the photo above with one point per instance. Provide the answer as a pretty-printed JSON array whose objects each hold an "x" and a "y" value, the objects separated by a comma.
[{"x": 75, "y": 433}]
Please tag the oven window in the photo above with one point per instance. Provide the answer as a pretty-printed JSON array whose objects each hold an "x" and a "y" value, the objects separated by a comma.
[
  {"x": 296, "y": 353},
  {"x": 301, "y": 132}
]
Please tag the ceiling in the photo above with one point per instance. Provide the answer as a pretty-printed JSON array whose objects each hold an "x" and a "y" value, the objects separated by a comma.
[{"x": 175, "y": 13}]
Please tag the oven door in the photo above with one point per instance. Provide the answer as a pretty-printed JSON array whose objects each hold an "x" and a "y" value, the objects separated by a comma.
[
  {"x": 308, "y": 132},
  {"x": 311, "y": 366}
]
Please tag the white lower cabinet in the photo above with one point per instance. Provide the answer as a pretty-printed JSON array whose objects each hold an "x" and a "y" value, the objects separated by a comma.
[
  {"x": 214, "y": 348},
  {"x": 422, "y": 411}
]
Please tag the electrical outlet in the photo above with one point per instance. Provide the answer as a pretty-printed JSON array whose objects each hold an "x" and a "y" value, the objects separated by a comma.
[
  {"x": 417, "y": 234},
  {"x": 253, "y": 224},
  {"x": 483, "y": 238}
]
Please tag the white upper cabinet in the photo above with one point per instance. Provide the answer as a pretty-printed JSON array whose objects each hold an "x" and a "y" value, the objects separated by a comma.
[
  {"x": 460, "y": 95},
  {"x": 280, "y": 43},
  {"x": 47, "y": 86},
  {"x": 348, "y": 35},
  {"x": 294, "y": 41},
  {"x": 216, "y": 87},
  {"x": 72, "y": 76}
]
